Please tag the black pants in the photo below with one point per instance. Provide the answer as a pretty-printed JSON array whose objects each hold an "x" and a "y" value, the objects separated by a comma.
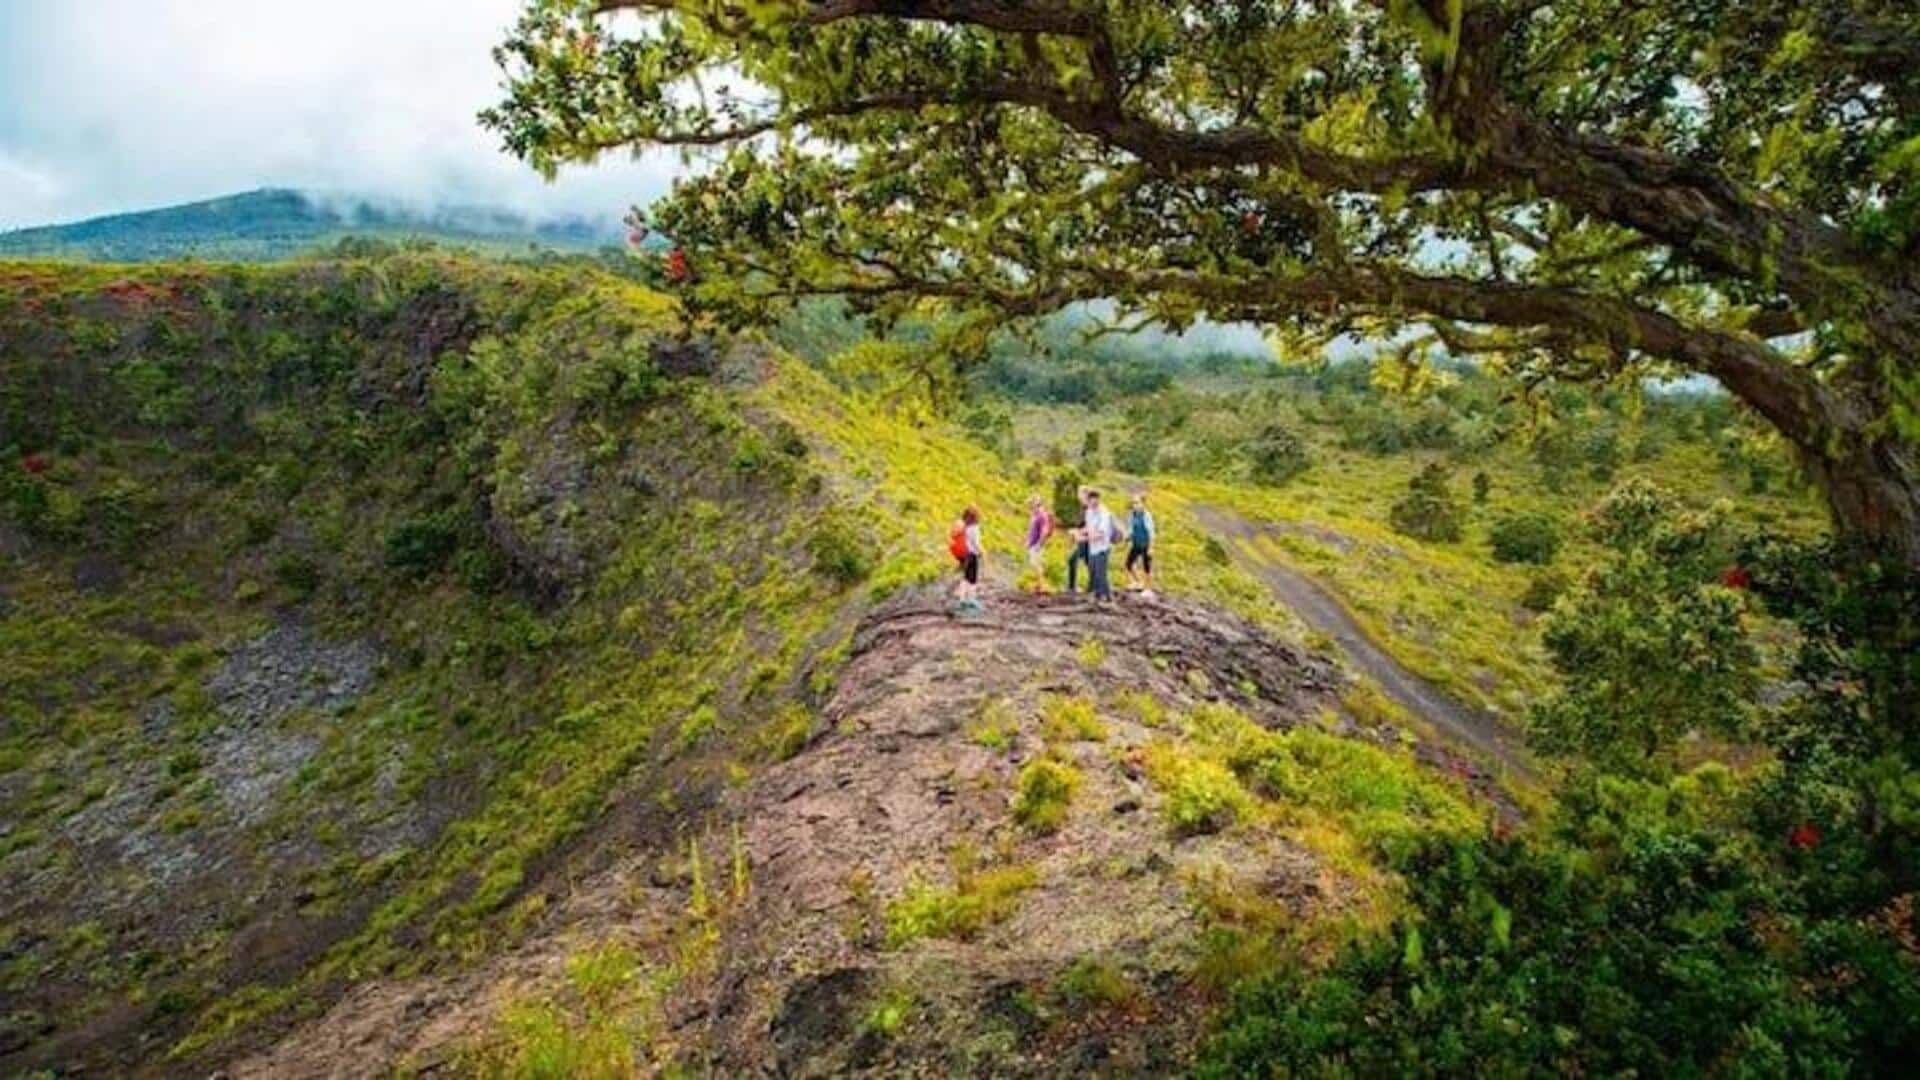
[
  {"x": 1075, "y": 558},
  {"x": 1142, "y": 554}
]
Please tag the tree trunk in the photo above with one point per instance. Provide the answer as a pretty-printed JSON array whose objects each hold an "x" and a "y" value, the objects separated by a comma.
[{"x": 1873, "y": 488}]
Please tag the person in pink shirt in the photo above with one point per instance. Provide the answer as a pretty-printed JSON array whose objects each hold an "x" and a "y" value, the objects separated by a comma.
[{"x": 1039, "y": 531}]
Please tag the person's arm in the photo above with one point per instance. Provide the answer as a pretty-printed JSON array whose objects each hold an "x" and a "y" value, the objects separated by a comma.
[
  {"x": 1152, "y": 533},
  {"x": 973, "y": 540}
]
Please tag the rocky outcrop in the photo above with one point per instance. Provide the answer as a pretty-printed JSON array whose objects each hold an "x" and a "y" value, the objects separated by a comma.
[{"x": 898, "y": 784}]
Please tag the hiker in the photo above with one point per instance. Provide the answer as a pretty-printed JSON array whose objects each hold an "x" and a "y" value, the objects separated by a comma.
[
  {"x": 963, "y": 543},
  {"x": 1078, "y": 556},
  {"x": 1039, "y": 531},
  {"x": 1101, "y": 531},
  {"x": 1140, "y": 546}
]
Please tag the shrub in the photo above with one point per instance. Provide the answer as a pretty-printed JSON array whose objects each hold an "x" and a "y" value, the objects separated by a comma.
[
  {"x": 1525, "y": 537},
  {"x": 1138, "y": 453},
  {"x": 980, "y": 899},
  {"x": 1427, "y": 511},
  {"x": 1044, "y": 792},
  {"x": 1068, "y": 719},
  {"x": 419, "y": 546},
  {"x": 1091, "y": 653},
  {"x": 995, "y": 727},
  {"x": 1066, "y": 498},
  {"x": 1201, "y": 796},
  {"x": 1212, "y": 550},
  {"x": 1092, "y": 984},
  {"x": 837, "y": 551},
  {"x": 1543, "y": 590},
  {"x": 299, "y": 574},
  {"x": 1649, "y": 647},
  {"x": 1277, "y": 455},
  {"x": 1640, "y": 935}
]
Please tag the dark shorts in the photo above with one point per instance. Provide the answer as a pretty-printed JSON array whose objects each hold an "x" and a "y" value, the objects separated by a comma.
[
  {"x": 970, "y": 569},
  {"x": 1142, "y": 554}
]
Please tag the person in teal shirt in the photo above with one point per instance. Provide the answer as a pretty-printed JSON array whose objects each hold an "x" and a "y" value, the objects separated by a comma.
[{"x": 1140, "y": 545}]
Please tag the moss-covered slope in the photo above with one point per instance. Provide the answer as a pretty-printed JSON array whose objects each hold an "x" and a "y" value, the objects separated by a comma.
[{"x": 336, "y": 597}]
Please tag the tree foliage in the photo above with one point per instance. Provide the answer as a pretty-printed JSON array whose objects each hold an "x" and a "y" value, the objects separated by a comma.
[
  {"x": 1570, "y": 188},
  {"x": 1428, "y": 510},
  {"x": 1651, "y": 645}
]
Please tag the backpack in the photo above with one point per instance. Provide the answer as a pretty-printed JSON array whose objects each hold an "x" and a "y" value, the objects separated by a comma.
[
  {"x": 957, "y": 541},
  {"x": 1117, "y": 534}
]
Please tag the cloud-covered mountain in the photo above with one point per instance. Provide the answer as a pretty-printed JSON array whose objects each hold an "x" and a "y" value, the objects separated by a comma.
[{"x": 274, "y": 223}]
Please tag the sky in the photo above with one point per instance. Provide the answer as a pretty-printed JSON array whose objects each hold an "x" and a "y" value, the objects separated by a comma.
[{"x": 116, "y": 105}]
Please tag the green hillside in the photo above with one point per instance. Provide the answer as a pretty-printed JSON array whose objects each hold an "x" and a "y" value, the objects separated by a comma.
[
  {"x": 448, "y": 664},
  {"x": 348, "y": 603},
  {"x": 276, "y": 223}
]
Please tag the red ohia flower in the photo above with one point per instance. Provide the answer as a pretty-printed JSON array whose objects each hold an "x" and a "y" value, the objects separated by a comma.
[
  {"x": 1804, "y": 836},
  {"x": 677, "y": 265},
  {"x": 1250, "y": 223},
  {"x": 1735, "y": 577},
  {"x": 33, "y": 464}
]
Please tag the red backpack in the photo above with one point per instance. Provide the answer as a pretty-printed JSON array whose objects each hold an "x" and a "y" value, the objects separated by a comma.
[{"x": 957, "y": 540}]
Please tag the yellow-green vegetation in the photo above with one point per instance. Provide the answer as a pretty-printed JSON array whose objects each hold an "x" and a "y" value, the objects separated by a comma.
[
  {"x": 599, "y": 1031},
  {"x": 1043, "y": 794},
  {"x": 890, "y": 1011},
  {"x": 995, "y": 726},
  {"x": 1091, "y": 653},
  {"x": 979, "y": 898},
  {"x": 1357, "y": 804},
  {"x": 1142, "y": 706},
  {"x": 1092, "y": 983},
  {"x": 1069, "y": 718},
  {"x": 1198, "y": 794}
]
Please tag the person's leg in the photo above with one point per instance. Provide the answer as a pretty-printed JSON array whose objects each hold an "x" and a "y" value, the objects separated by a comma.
[
  {"x": 1146, "y": 567},
  {"x": 1097, "y": 575},
  {"x": 1133, "y": 560},
  {"x": 1074, "y": 558}
]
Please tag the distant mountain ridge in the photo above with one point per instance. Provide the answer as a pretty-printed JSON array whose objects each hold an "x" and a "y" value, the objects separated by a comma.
[{"x": 278, "y": 223}]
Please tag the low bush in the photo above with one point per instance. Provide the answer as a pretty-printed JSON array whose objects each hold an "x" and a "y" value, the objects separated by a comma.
[
  {"x": 1200, "y": 796},
  {"x": 1277, "y": 455},
  {"x": 419, "y": 546},
  {"x": 1428, "y": 510},
  {"x": 979, "y": 899},
  {"x": 1044, "y": 793},
  {"x": 838, "y": 552},
  {"x": 1526, "y": 537},
  {"x": 1543, "y": 589}
]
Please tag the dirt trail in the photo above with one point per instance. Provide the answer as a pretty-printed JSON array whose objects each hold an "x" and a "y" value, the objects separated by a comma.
[{"x": 1475, "y": 728}]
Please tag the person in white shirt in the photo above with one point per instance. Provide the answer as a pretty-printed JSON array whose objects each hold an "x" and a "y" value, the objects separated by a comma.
[{"x": 1099, "y": 528}]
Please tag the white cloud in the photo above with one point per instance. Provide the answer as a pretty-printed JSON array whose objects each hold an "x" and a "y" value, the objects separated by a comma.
[{"x": 112, "y": 105}]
